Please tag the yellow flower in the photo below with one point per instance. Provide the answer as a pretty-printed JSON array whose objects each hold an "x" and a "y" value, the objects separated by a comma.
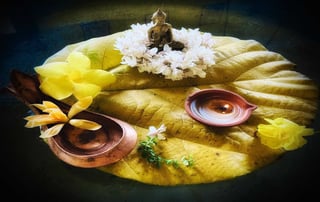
[
  {"x": 73, "y": 77},
  {"x": 283, "y": 133},
  {"x": 54, "y": 115}
]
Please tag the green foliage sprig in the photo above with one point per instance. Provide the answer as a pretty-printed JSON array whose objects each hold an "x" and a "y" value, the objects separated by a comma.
[{"x": 146, "y": 149}]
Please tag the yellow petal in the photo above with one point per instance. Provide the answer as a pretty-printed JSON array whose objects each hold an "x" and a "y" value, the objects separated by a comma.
[
  {"x": 85, "y": 124},
  {"x": 269, "y": 136},
  {"x": 99, "y": 77},
  {"x": 39, "y": 106},
  {"x": 82, "y": 90},
  {"x": 39, "y": 120},
  {"x": 58, "y": 88},
  {"x": 295, "y": 143},
  {"x": 76, "y": 75},
  {"x": 58, "y": 115},
  {"x": 50, "y": 132},
  {"x": 48, "y": 107},
  {"x": 79, "y": 106},
  {"x": 54, "y": 69},
  {"x": 78, "y": 60},
  {"x": 307, "y": 131},
  {"x": 49, "y": 104}
]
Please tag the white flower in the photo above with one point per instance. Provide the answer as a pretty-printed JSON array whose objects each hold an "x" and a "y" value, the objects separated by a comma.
[
  {"x": 157, "y": 132},
  {"x": 192, "y": 61},
  {"x": 129, "y": 60}
]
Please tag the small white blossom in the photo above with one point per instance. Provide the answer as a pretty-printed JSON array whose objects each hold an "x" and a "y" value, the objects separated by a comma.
[{"x": 157, "y": 132}]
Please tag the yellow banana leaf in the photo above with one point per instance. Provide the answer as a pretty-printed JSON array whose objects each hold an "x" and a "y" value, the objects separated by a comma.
[{"x": 246, "y": 67}]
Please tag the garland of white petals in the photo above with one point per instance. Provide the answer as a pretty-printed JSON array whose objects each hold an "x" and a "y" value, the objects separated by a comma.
[{"x": 192, "y": 61}]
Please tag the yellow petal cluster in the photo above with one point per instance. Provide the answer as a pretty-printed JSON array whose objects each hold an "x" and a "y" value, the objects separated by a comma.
[
  {"x": 73, "y": 77},
  {"x": 283, "y": 133},
  {"x": 54, "y": 115}
]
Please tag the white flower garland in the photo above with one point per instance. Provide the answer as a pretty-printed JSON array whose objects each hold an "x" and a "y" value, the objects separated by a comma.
[{"x": 192, "y": 61}]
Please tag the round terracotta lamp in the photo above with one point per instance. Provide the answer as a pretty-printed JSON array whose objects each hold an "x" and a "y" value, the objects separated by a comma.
[
  {"x": 218, "y": 107},
  {"x": 88, "y": 149}
]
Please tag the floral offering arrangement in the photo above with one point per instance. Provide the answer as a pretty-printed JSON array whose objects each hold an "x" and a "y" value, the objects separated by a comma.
[
  {"x": 192, "y": 61},
  {"x": 117, "y": 103}
]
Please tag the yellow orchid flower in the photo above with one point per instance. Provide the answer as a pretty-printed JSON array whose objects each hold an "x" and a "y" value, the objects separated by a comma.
[
  {"x": 283, "y": 133},
  {"x": 56, "y": 116},
  {"x": 73, "y": 77}
]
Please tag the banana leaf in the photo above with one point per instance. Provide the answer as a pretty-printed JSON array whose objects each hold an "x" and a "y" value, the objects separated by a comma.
[{"x": 262, "y": 77}]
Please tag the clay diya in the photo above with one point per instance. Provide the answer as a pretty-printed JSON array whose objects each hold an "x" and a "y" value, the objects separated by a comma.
[
  {"x": 75, "y": 146},
  {"x": 218, "y": 107},
  {"x": 88, "y": 149}
]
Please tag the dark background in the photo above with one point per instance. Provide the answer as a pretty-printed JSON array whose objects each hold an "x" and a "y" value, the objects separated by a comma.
[{"x": 31, "y": 31}]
